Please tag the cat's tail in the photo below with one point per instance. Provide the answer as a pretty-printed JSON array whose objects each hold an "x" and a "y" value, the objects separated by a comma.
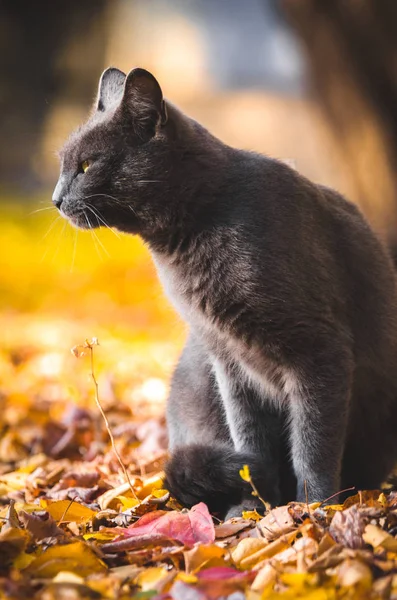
[{"x": 197, "y": 473}]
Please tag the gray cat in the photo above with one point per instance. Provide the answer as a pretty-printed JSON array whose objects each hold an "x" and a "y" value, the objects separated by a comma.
[{"x": 291, "y": 362}]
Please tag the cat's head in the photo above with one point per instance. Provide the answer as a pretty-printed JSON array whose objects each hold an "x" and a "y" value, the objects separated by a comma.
[{"x": 114, "y": 165}]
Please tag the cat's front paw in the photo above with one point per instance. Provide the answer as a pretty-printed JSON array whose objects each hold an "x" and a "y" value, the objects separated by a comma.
[{"x": 247, "y": 505}]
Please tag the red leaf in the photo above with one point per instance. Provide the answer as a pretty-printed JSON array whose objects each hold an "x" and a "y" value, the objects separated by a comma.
[
  {"x": 187, "y": 527},
  {"x": 216, "y": 573}
]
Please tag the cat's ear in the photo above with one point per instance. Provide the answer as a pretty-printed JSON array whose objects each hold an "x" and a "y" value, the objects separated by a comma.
[
  {"x": 110, "y": 90},
  {"x": 143, "y": 101}
]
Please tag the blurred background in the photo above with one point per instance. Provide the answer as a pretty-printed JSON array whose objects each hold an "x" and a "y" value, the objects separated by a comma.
[{"x": 313, "y": 82}]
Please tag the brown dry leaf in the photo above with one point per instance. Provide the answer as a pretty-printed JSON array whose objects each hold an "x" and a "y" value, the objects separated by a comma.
[
  {"x": 277, "y": 522},
  {"x": 353, "y": 573},
  {"x": 77, "y": 557},
  {"x": 231, "y": 527},
  {"x": 371, "y": 498},
  {"x": 347, "y": 527},
  {"x": 40, "y": 524}
]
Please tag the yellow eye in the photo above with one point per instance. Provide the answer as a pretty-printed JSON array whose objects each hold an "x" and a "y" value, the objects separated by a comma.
[{"x": 85, "y": 165}]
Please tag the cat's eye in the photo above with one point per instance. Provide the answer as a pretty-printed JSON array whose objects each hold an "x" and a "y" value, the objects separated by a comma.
[{"x": 85, "y": 165}]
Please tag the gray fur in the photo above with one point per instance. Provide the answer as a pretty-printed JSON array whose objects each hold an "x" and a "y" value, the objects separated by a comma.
[{"x": 290, "y": 298}]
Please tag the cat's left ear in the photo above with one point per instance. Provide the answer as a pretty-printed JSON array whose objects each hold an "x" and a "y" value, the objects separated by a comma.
[
  {"x": 110, "y": 89},
  {"x": 143, "y": 99}
]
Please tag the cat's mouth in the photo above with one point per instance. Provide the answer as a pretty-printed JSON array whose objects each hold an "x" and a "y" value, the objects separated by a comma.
[{"x": 78, "y": 219}]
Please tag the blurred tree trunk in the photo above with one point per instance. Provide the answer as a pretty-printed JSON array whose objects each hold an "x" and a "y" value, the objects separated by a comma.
[
  {"x": 352, "y": 54},
  {"x": 33, "y": 36}
]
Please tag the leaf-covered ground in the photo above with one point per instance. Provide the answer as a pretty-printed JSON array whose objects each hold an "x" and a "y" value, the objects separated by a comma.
[{"x": 71, "y": 525}]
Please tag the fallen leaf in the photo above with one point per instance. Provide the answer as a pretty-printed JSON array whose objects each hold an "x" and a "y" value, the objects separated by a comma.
[
  {"x": 66, "y": 510},
  {"x": 154, "y": 578},
  {"x": 76, "y": 557},
  {"x": 246, "y": 548},
  {"x": 375, "y": 536},
  {"x": 202, "y": 555},
  {"x": 12, "y": 543},
  {"x": 347, "y": 527},
  {"x": 277, "y": 522},
  {"x": 354, "y": 573},
  {"x": 188, "y": 527},
  {"x": 40, "y": 524},
  {"x": 232, "y": 527}
]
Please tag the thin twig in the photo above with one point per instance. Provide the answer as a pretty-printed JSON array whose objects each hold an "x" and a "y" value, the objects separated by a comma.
[
  {"x": 122, "y": 465},
  {"x": 90, "y": 346},
  {"x": 337, "y": 494},
  {"x": 65, "y": 511}
]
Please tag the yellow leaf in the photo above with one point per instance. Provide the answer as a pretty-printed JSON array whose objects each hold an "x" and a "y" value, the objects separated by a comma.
[
  {"x": 109, "y": 498},
  {"x": 14, "y": 481},
  {"x": 268, "y": 550},
  {"x": 152, "y": 483},
  {"x": 245, "y": 473},
  {"x": 153, "y": 578},
  {"x": 204, "y": 556},
  {"x": 13, "y": 542},
  {"x": 334, "y": 507},
  {"x": 100, "y": 536},
  {"x": 251, "y": 514},
  {"x": 375, "y": 536},
  {"x": 127, "y": 502},
  {"x": 160, "y": 493},
  {"x": 76, "y": 558},
  {"x": 67, "y": 511},
  {"x": 23, "y": 560},
  {"x": 186, "y": 577},
  {"x": 246, "y": 548}
]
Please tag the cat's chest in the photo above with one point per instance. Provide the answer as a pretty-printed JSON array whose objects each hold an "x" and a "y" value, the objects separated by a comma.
[
  {"x": 188, "y": 287},
  {"x": 194, "y": 296}
]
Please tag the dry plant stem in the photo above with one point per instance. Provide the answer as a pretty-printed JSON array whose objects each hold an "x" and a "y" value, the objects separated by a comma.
[
  {"x": 64, "y": 512},
  {"x": 336, "y": 494},
  {"x": 257, "y": 494},
  {"x": 122, "y": 465}
]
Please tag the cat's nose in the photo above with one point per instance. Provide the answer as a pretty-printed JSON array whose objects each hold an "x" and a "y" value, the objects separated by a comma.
[
  {"x": 58, "y": 195},
  {"x": 57, "y": 200}
]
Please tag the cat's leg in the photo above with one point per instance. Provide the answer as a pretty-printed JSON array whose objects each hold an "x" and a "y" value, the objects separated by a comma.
[
  {"x": 195, "y": 413},
  {"x": 255, "y": 425},
  {"x": 319, "y": 413},
  {"x": 204, "y": 465}
]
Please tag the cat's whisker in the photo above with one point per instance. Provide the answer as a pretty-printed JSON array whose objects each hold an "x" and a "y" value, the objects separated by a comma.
[
  {"x": 150, "y": 181},
  {"x": 97, "y": 214},
  {"x": 95, "y": 236},
  {"x": 41, "y": 209},
  {"x": 76, "y": 233},
  {"x": 50, "y": 228},
  {"x": 92, "y": 236},
  {"x": 54, "y": 256}
]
